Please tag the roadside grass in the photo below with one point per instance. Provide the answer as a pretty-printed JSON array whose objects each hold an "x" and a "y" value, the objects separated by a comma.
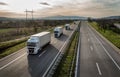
[
  {"x": 109, "y": 34},
  {"x": 16, "y": 33},
  {"x": 12, "y": 49},
  {"x": 64, "y": 67},
  {"x": 9, "y": 47},
  {"x": 8, "y": 44},
  {"x": 6, "y": 30}
]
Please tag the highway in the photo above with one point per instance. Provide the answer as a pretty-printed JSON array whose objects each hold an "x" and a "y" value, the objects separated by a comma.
[
  {"x": 97, "y": 57},
  {"x": 20, "y": 64}
]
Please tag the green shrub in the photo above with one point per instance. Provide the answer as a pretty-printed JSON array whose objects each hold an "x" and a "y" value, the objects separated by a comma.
[{"x": 8, "y": 44}]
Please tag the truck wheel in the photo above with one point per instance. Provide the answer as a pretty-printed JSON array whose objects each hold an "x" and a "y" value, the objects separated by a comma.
[{"x": 39, "y": 49}]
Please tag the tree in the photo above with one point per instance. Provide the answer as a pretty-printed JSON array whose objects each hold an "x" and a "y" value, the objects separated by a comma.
[{"x": 89, "y": 19}]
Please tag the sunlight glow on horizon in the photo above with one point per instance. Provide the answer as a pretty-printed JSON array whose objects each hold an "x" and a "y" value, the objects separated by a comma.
[{"x": 91, "y": 8}]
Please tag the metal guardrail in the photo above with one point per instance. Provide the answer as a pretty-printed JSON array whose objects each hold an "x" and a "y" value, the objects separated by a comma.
[
  {"x": 73, "y": 60},
  {"x": 51, "y": 69},
  {"x": 78, "y": 53}
]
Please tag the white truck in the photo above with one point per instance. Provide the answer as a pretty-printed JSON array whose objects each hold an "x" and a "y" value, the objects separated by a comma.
[
  {"x": 58, "y": 31},
  {"x": 37, "y": 41},
  {"x": 67, "y": 26}
]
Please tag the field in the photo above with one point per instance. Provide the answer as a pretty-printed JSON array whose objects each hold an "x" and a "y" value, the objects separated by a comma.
[
  {"x": 109, "y": 34},
  {"x": 18, "y": 41},
  {"x": 14, "y": 38},
  {"x": 6, "y": 30}
]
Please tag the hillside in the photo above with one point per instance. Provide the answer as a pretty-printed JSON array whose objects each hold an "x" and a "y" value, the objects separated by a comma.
[
  {"x": 112, "y": 17},
  {"x": 64, "y": 18}
]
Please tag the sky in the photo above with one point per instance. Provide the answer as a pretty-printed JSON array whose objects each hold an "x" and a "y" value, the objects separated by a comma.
[{"x": 44, "y": 8}]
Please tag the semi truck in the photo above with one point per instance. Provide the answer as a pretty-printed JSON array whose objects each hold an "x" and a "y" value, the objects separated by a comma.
[
  {"x": 37, "y": 41},
  {"x": 58, "y": 31},
  {"x": 67, "y": 26}
]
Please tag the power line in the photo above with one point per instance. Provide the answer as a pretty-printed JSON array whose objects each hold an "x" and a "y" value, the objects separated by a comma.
[{"x": 29, "y": 12}]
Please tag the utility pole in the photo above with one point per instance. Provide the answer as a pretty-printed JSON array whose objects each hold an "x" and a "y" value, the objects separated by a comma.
[
  {"x": 29, "y": 12},
  {"x": 26, "y": 14},
  {"x": 32, "y": 14},
  {"x": 34, "y": 26}
]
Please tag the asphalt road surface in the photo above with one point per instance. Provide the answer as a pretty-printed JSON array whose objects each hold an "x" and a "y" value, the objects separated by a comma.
[
  {"x": 97, "y": 57},
  {"x": 20, "y": 64}
]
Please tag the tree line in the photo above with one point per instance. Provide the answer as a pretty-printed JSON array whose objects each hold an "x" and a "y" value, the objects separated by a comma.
[
  {"x": 106, "y": 24},
  {"x": 24, "y": 28}
]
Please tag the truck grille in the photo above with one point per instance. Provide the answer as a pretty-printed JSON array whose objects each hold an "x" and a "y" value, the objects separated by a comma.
[
  {"x": 31, "y": 50},
  {"x": 56, "y": 35}
]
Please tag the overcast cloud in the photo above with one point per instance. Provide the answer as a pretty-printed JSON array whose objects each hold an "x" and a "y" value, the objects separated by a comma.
[
  {"x": 88, "y": 8},
  {"x": 2, "y": 3}
]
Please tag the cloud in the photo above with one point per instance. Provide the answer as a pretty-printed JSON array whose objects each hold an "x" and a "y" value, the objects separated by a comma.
[
  {"x": 91, "y": 8},
  {"x": 44, "y": 3},
  {"x": 113, "y": 4},
  {"x": 6, "y": 13},
  {"x": 2, "y": 3}
]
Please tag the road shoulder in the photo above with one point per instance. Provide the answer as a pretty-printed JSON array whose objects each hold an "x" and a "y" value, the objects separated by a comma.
[{"x": 111, "y": 44}]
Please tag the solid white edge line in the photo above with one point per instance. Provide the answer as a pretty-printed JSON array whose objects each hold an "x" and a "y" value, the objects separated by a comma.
[
  {"x": 106, "y": 51},
  {"x": 98, "y": 68},
  {"x": 78, "y": 52},
  {"x": 76, "y": 68},
  {"x": 53, "y": 61},
  {"x": 12, "y": 62},
  {"x": 57, "y": 55},
  {"x": 11, "y": 54}
]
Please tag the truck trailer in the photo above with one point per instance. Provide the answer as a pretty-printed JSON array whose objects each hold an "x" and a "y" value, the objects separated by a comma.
[
  {"x": 58, "y": 31},
  {"x": 37, "y": 41},
  {"x": 67, "y": 26}
]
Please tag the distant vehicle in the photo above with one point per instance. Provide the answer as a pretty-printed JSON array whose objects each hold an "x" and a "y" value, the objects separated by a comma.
[
  {"x": 58, "y": 31},
  {"x": 75, "y": 22},
  {"x": 37, "y": 41},
  {"x": 67, "y": 26}
]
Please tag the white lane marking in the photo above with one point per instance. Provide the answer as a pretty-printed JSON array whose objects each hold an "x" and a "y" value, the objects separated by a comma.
[
  {"x": 106, "y": 51},
  {"x": 54, "y": 59},
  {"x": 91, "y": 48},
  {"x": 12, "y": 61},
  {"x": 12, "y": 54},
  {"x": 57, "y": 55},
  {"x": 98, "y": 69},
  {"x": 42, "y": 53},
  {"x": 88, "y": 39}
]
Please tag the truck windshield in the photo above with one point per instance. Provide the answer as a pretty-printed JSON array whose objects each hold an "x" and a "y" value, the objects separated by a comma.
[
  {"x": 55, "y": 31},
  {"x": 31, "y": 44}
]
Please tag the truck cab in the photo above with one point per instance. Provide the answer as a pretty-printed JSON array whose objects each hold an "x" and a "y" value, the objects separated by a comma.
[
  {"x": 67, "y": 26},
  {"x": 33, "y": 45},
  {"x": 37, "y": 41},
  {"x": 58, "y": 31}
]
